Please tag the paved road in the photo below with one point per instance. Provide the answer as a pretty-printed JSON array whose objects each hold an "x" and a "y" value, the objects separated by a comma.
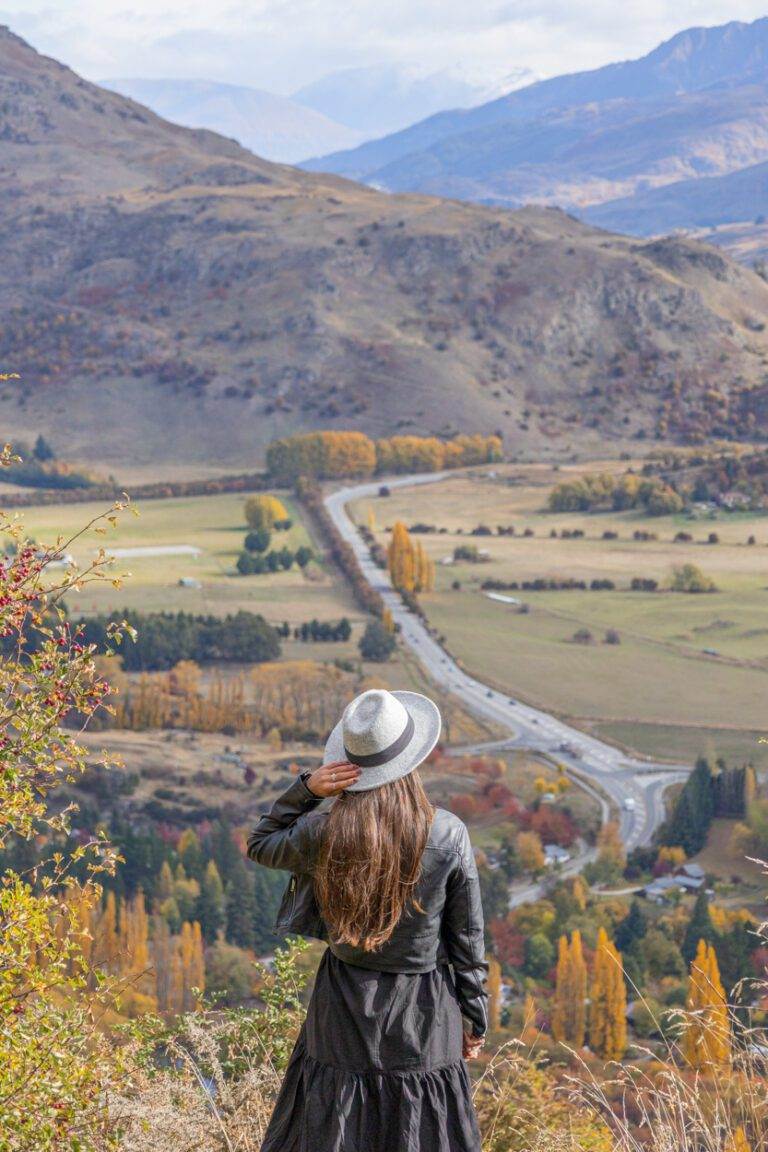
[{"x": 634, "y": 786}]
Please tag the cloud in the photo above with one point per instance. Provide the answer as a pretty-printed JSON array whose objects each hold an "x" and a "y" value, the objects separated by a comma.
[{"x": 282, "y": 44}]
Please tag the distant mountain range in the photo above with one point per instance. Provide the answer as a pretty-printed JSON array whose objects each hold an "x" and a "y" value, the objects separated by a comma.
[
  {"x": 274, "y": 127},
  {"x": 384, "y": 98},
  {"x": 171, "y": 301},
  {"x": 611, "y": 144},
  {"x": 338, "y": 111}
]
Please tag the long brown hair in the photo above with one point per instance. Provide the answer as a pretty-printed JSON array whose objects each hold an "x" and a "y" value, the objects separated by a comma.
[{"x": 370, "y": 860}]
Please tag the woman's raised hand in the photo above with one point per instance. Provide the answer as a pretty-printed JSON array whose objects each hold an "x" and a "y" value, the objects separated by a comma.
[
  {"x": 333, "y": 778},
  {"x": 472, "y": 1046}
]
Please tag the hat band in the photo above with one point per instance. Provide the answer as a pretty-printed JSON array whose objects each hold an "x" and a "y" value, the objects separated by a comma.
[{"x": 382, "y": 757}]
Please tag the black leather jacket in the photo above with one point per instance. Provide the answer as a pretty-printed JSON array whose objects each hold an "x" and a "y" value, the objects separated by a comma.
[{"x": 450, "y": 927}]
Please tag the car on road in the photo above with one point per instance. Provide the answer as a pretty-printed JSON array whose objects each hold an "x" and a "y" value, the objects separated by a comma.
[{"x": 629, "y": 804}]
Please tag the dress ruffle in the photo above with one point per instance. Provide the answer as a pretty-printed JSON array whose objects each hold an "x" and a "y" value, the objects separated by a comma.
[{"x": 325, "y": 1109}]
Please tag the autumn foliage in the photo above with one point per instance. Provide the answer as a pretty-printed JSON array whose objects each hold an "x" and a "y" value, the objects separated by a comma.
[
  {"x": 341, "y": 455},
  {"x": 410, "y": 569},
  {"x": 608, "y": 1002},
  {"x": 707, "y": 1038},
  {"x": 569, "y": 1017}
]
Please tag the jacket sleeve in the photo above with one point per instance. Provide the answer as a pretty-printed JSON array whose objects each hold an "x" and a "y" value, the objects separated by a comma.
[
  {"x": 464, "y": 938},
  {"x": 285, "y": 837}
]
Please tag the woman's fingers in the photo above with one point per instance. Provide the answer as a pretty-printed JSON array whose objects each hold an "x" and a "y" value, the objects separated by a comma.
[
  {"x": 333, "y": 778},
  {"x": 472, "y": 1046}
]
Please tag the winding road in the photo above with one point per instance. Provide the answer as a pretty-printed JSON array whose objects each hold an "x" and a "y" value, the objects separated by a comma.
[{"x": 633, "y": 786}]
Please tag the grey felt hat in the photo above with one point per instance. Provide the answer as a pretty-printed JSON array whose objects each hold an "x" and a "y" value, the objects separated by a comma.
[{"x": 387, "y": 734}]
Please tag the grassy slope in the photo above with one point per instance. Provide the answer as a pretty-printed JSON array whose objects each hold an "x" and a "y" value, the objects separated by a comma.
[{"x": 194, "y": 302}]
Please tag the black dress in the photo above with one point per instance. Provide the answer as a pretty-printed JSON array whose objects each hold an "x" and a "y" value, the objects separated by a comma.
[{"x": 377, "y": 1067}]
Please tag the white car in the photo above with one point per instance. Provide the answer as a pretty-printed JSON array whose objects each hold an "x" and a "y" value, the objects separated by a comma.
[{"x": 630, "y": 803}]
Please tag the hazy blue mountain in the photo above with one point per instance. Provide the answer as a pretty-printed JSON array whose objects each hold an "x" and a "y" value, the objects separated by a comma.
[
  {"x": 275, "y": 127},
  {"x": 702, "y": 204},
  {"x": 694, "y": 107},
  {"x": 382, "y": 98}
]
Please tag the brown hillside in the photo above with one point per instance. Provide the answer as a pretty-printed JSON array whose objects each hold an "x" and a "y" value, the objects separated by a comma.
[{"x": 167, "y": 297}]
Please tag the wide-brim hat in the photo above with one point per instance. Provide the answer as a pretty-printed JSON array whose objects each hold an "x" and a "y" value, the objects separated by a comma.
[{"x": 387, "y": 734}]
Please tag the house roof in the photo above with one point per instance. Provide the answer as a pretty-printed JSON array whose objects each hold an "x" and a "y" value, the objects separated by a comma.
[
  {"x": 694, "y": 870},
  {"x": 555, "y": 852}
]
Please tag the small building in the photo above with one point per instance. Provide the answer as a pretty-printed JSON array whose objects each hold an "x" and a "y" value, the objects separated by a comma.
[
  {"x": 693, "y": 871},
  {"x": 661, "y": 889},
  {"x": 687, "y": 878},
  {"x": 555, "y": 856}
]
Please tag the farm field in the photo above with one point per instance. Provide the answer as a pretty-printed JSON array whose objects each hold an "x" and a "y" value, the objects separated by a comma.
[
  {"x": 690, "y": 672},
  {"x": 216, "y": 526}
]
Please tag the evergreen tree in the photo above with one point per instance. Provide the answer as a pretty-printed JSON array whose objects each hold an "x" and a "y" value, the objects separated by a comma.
[
  {"x": 376, "y": 643},
  {"x": 539, "y": 955},
  {"x": 700, "y": 927},
  {"x": 632, "y": 928},
  {"x": 735, "y": 949},
  {"x": 42, "y": 450},
  {"x": 241, "y": 905},
  {"x": 690, "y": 821}
]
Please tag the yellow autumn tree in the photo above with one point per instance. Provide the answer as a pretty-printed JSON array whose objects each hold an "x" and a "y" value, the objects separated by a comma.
[
  {"x": 530, "y": 1031},
  {"x": 106, "y": 945},
  {"x": 561, "y": 986},
  {"x": 530, "y": 851},
  {"x": 192, "y": 965},
  {"x": 610, "y": 847},
  {"x": 494, "y": 994},
  {"x": 673, "y": 855},
  {"x": 738, "y": 1142},
  {"x": 569, "y": 1015},
  {"x": 136, "y": 968},
  {"x": 707, "y": 1037},
  {"x": 263, "y": 511},
  {"x": 401, "y": 559},
  {"x": 608, "y": 1004},
  {"x": 410, "y": 568}
]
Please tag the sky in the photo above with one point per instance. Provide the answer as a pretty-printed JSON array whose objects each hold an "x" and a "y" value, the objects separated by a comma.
[{"x": 281, "y": 45}]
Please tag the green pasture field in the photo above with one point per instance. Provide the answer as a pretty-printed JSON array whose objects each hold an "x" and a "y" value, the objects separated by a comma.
[
  {"x": 660, "y": 687},
  {"x": 216, "y": 525}
]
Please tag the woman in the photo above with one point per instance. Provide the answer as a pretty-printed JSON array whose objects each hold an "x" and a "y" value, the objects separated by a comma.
[{"x": 399, "y": 1000}]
